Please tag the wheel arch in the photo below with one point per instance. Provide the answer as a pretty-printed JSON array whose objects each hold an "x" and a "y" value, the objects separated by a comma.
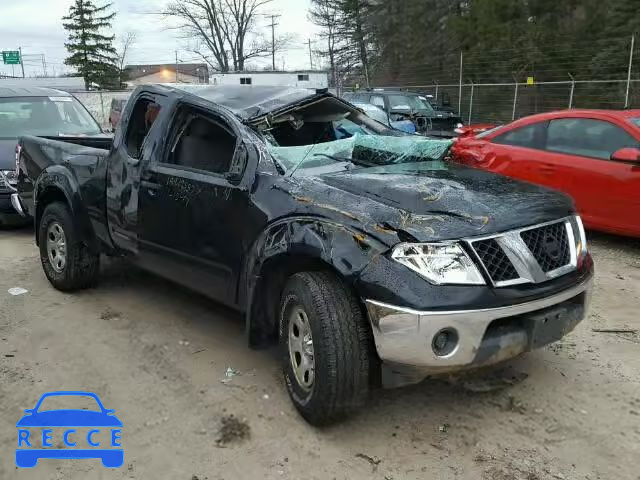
[
  {"x": 49, "y": 192},
  {"x": 291, "y": 246}
]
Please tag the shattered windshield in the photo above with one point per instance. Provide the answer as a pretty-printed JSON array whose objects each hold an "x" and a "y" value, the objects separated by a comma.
[{"x": 358, "y": 151}]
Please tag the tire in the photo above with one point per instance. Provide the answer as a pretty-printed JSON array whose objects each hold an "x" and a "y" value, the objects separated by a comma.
[
  {"x": 80, "y": 267},
  {"x": 340, "y": 341}
]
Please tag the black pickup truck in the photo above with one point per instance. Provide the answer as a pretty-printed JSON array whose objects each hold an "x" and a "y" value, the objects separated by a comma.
[{"x": 369, "y": 257}]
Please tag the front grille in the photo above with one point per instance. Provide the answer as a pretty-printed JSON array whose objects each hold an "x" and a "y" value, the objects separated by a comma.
[
  {"x": 4, "y": 187},
  {"x": 496, "y": 262},
  {"x": 549, "y": 245}
]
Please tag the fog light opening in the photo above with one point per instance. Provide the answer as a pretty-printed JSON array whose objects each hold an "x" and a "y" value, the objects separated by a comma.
[{"x": 444, "y": 342}]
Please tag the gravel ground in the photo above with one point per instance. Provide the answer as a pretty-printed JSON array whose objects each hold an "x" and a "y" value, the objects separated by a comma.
[{"x": 158, "y": 354}]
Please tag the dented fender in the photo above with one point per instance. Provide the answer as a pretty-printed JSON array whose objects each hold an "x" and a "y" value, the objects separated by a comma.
[
  {"x": 341, "y": 248},
  {"x": 54, "y": 182}
]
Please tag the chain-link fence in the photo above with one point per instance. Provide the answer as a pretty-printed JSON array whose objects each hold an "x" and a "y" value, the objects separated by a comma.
[
  {"x": 503, "y": 102},
  {"x": 510, "y": 85}
]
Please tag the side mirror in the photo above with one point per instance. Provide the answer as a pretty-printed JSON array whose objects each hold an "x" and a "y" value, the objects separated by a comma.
[{"x": 627, "y": 155}]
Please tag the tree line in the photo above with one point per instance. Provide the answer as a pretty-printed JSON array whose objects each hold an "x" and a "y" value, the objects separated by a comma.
[{"x": 398, "y": 42}]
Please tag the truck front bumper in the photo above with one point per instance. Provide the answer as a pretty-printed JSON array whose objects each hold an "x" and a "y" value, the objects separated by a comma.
[{"x": 431, "y": 342}]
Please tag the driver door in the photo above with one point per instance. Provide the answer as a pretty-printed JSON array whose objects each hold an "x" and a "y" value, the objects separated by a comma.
[{"x": 195, "y": 211}]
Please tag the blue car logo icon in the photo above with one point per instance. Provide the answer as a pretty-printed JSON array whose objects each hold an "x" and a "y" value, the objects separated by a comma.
[{"x": 68, "y": 421}]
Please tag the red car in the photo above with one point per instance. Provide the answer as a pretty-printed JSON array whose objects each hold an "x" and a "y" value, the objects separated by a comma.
[{"x": 593, "y": 155}]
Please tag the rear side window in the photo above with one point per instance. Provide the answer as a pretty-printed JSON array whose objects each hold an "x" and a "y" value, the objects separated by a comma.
[
  {"x": 143, "y": 116},
  {"x": 529, "y": 136},
  {"x": 399, "y": 102},
  {"x": 587, "y": 137},
  {"x": 203, "y": 142}
]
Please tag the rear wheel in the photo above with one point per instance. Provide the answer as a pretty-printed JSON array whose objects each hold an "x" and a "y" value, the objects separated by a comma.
[
  {"x": 66, "y": 261},
  {"x": 326, "y": 347}
]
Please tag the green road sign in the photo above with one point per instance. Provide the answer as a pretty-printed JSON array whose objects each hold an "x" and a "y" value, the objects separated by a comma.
[{"x": 11, "y": 57}]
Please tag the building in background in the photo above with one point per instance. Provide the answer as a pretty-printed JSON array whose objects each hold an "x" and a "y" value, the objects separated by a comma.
[
  {"x": 306, "y": 78},
  {"x": 187, "y": 73}
]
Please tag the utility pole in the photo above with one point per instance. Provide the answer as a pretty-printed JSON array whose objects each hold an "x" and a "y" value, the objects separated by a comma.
[
  {"x": 460, "y": 87},
  {"x": 21, "y": 61},
  {"x": 273, "y": 40},
  {"x": 626, "y": 97},
  {"x": 176, "y": 66},
  {"x": 44, "y": 66},
  {"x": 310, "y": 55}
]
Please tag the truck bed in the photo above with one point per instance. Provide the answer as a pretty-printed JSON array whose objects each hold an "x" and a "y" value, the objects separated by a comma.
[{"x": 82, "y": 158}]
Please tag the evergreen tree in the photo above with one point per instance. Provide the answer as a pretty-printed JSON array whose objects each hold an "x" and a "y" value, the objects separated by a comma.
[{"x": 90, "y": 51}]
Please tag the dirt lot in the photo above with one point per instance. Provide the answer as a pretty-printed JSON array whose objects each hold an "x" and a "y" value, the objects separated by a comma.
[{"x": 158, "y": 355}]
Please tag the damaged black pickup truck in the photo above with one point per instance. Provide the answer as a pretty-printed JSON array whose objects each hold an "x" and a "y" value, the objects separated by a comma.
[{"x": 366, "y": 255}]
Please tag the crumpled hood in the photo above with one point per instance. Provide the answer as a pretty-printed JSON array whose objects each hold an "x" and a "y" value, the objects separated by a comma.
[
  {"x": 432, "y": 200},
  {"x": 8, "y": 154}
]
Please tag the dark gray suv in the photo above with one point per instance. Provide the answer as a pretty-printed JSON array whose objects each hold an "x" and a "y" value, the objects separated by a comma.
[{"x": 403, "y": 105}]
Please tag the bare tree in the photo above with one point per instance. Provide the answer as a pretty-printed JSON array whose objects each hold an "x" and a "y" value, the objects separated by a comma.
[
  {"x": 340, "y": 24},
  {"x": 224, "y": 29},
  {"x": 125, "y": 44},
  {"x": 325, "y": 14}
]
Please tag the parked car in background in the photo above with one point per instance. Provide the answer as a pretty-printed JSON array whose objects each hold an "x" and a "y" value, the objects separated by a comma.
[
  {"x": 381, "y": 116},
  {"x": 403, "y": 105},
  {"x": 115, "y": 112},
  {"x": 368, "y": 257},
  {"x": 593, "y": 155},
  {"x": 34, "y": 111}
]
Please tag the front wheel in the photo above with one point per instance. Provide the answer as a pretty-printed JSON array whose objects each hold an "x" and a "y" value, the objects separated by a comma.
[
  {"x": 67, "y": 262},
  {"x": 326, "y": 347}
]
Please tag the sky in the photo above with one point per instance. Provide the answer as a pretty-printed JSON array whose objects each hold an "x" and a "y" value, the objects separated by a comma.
[{"x": 36, "y": 26}]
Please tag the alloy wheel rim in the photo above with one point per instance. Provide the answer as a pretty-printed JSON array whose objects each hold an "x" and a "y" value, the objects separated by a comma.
[
  {"x": 301, "y": 352},
  {"x": 56, "y": 247}
]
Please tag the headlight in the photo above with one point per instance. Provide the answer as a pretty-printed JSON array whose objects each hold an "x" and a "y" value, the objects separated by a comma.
[
  {"x": 582, "y": 246},
  {"x": 459, "y": 125},
  {"x": 439, "y": 263}
]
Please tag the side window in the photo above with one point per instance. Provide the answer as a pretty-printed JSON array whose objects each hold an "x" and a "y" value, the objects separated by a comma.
[
  {"x": 378, "y": 101},
  {"x": 529, "y": 136},
  {"x": 143, "y": 116},
  {"x": 587, "y": 137},
  {"x": 203, "y": 143},
  {"x": 400, "y": 102}
]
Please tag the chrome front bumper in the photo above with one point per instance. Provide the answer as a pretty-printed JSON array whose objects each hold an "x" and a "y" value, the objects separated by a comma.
[{"x": 405, "y": 337}]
